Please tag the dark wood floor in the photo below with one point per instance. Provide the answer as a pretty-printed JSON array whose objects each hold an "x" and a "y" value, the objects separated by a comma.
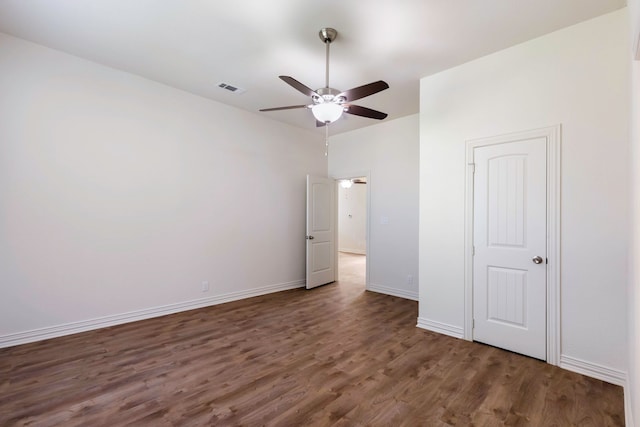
[{"x": 335, "y": 355}]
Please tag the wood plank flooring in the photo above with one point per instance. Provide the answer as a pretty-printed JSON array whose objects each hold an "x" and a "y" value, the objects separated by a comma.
[{"x": 335, "y": 355}]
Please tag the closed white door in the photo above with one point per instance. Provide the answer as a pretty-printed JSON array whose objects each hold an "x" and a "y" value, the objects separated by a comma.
[
  {"x": 320, "y": 231},
  {"x": 510, "y": 241}
]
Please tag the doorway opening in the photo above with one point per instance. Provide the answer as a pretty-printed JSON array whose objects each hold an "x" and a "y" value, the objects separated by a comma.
[{"x": 352, "y": 208}]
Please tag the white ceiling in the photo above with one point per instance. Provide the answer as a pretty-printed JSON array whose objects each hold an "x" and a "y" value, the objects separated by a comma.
[{"x": 194, "y": 44}]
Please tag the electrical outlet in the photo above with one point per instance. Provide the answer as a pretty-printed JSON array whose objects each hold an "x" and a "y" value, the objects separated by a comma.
[
  {"x": 409, "y": 279},
  {"x": 205, "y": 286}
]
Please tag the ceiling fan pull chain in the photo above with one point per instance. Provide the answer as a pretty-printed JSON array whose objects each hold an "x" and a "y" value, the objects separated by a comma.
[{"x": 326, "y": 140}]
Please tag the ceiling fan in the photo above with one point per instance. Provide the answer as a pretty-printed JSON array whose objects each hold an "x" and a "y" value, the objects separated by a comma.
[{"x": 328, "y": 104}]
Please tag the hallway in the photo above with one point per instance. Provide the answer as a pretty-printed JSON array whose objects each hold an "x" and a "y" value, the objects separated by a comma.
[{"x": 352, "y": 269}]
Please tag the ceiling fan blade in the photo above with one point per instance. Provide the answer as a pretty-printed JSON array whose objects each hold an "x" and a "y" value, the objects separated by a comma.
[
  {"x": 357, "y": 110},
  {"x": 290, "y": 107},
  {"x": 297, "y": 85},
  {"x": 364, "y": 90}
]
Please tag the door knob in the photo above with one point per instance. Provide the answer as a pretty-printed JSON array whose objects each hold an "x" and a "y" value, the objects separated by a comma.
[
  {"x": 310, "y": 237},
  {"x": 537, "y": 260}
]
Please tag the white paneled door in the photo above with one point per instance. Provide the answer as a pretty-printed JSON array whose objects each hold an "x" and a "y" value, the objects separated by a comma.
[
  {"x": 320, "y": 231},
  {"x": 510, "y": 241}
]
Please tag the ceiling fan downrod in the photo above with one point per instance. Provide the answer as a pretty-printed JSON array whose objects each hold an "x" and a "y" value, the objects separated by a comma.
[{"x": 327, "y": 35}]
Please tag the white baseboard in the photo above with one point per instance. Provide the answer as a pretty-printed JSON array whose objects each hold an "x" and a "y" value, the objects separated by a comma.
[
  {"x": 441, "y": 328},
  {"x": 353, "y": 251},
  {"x": 594, "y": 370},
  {"x": 402, "y": 293},
  {"x": 133, "y": 316}
]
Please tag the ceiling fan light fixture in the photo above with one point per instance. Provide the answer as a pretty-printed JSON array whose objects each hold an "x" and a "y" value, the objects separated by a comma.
[
  {"x": 327, "y": 103},
  {"x": 346, "y": 183},
  {"x": 327, "y": 112}
]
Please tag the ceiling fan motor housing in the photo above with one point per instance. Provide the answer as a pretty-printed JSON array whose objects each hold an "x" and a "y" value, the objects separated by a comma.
[{"x": 327, "y": 94}]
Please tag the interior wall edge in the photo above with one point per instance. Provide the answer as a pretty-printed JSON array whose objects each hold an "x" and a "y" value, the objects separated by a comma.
[{"x": 628, "y": 402}]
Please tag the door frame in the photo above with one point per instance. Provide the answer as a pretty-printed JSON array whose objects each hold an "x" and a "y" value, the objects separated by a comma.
[
  {"x": 552, "y": 136},
  {"x": 337, "y": 179}
]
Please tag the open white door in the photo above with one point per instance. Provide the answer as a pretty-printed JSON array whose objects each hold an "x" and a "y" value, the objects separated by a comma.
[
  {"x": 320, "y": 231},
  {"x": 510, "y": 241}
]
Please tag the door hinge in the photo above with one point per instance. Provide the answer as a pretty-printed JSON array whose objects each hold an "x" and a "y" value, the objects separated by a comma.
[
  {"x": 473, "y": 323},
  {"x": 473, "y": 250},
  {"x": 473, "y": 167}
]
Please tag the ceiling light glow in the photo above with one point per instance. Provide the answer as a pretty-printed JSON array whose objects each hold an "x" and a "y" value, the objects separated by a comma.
[
  {"x": 346, "y": 183},
  {"x": 327, "y": 112}
]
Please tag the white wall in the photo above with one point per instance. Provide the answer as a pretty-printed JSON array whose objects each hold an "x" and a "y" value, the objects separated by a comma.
[
  {"x": 352, "y": 219},
  {"x": 121, "y": 195},
  {"x": 577, "y": 77},
  {"x": 388, "y": 151},
  {"x": 633, "y": 390}
]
